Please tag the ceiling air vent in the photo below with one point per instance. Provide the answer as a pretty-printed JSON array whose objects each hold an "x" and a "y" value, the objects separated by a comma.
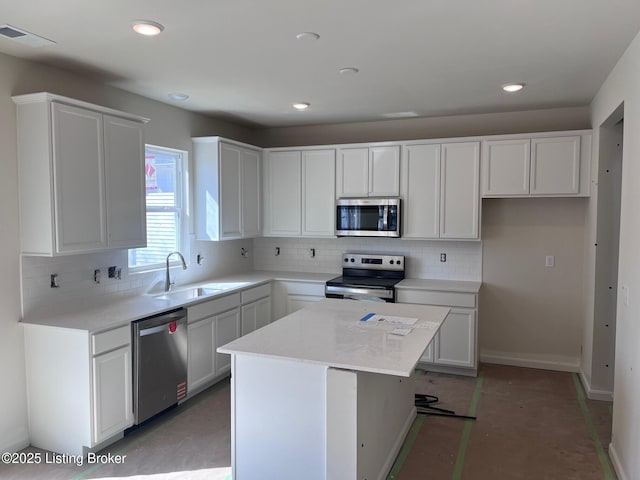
[{"x": 22, "y": 36}]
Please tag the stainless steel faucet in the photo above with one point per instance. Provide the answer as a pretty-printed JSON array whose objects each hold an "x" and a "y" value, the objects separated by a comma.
[{"x": 167, "y": 280}]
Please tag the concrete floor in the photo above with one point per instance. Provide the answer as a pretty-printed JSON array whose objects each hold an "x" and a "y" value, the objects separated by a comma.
[{"x": 531, "y": 424}]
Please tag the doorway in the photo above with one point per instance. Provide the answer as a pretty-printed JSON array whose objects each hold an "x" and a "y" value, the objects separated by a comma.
[{"x": 607, "y": 248}]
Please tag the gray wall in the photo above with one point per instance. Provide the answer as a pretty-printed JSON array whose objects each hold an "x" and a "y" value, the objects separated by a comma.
[{"x": 169, "y": 126}]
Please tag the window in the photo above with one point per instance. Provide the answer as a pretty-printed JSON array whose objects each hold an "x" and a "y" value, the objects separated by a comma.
[{"x": 163, "y": 173}]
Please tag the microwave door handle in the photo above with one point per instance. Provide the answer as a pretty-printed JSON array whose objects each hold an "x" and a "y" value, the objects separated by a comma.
[{"x": 385, "y": 218}]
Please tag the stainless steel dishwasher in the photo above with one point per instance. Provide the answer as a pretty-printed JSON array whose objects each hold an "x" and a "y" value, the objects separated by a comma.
[{"x": 159, "y": 363}]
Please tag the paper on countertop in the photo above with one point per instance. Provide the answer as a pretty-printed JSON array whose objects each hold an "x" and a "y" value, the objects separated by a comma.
[
  {"x": 401, "y": 331},
  {"x": 375, "y": 318}
]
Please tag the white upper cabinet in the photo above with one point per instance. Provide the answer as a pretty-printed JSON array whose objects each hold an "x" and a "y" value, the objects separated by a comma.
[
  {"x": 283, "y": 193},
  {"x": 420, "y": 191},
  {"x": 505, "y": 167},
  {"x": 460, "y": 190},
  {"x": 81, "y": 176},
  {"x": 440, "y": 190},
  {"x": 368, "y": 172},
  {"x": 318, "y": 195},
  {"x": 299, "y": 193},
  {"x": 554, "y": 166},
  {"x": 124, "y": 147},
  {"x": 227, "y": 189}
]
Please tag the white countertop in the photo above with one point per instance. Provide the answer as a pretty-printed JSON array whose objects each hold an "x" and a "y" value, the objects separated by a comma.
[
  {"x": 440, "y": 285},
  {"x": 330, "y": 333},
  {"x": 100, "y": 315}
]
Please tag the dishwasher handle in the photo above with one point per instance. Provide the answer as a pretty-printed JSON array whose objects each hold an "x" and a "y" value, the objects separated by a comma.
[
  {"x": 152, "y": 330},
  {"x": 155, "y": 324}
]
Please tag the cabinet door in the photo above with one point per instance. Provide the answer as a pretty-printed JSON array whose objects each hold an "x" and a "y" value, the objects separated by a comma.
[
  {"x": 248, "y": 318},
  {"x": 201, "y": 354},
  {"x": 555, "y": 166},
  {"x": 459, "y": 190},
  {"x": 427, "y": 356},
  {"x": 125, "y": 183},
  {"x": 283, "y": 199},
  {"x": 505, "y": 167},
  {"x": 384, "y": 171},
  {"x": 456, "y": 341},
  {"x": 227, "y": 329},
  {"x": 112, "y": 393},
  {"x": 78, "y": 162},
  {"x": 263, "y": 312},
  {"x": 352, "y": 174},
  {"x": 298, "y": 302},
  {"x": 230, "y": 171},
  {"x": 251, "y": 189},
  {"x": 421, "y": 191},
  {"x": 318, "y": 193}
]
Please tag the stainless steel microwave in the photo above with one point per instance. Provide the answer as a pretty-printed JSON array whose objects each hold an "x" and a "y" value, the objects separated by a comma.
[{"x": 368, "y": 217}]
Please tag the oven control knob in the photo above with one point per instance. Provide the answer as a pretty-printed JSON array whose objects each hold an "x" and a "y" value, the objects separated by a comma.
[
  {"x": 353, "y": 259},
  {"x": 346, "y": 259},
  {"x": 398, "y": 262},
  {"x": 391, "y": 262}
]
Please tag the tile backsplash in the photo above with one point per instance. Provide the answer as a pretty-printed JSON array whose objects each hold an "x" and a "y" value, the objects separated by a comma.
[
  {"x": 75, "y": 274},
  {"x": 77, "y": 287},
  {"x": 464, "y": 259}
]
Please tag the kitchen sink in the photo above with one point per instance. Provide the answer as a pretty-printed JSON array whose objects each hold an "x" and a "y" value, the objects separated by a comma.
[{"x": 187, "y": 293}]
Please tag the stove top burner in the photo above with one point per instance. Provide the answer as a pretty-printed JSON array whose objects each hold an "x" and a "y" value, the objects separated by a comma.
[{"x": 351, "y": 281}]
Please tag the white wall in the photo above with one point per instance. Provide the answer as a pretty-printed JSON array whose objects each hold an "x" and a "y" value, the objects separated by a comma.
[
  {"x": 169, "y": 126},
  {"x": 531, "y": 315},
  {"x": 623, "y": 86}
]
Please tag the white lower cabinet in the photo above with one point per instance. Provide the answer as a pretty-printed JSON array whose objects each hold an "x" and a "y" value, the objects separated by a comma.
[
  {"x": 227, "y": 330},
  {"x": 112, "y": 393},
  {"x": 454, "y": 348},
  {"x": 456, "y": 341},
  {"x": 290, "y": 296},
  {"x": 80, "y": 387},
  {"x": 210, "y": 325},
  {"x": 256, "y": 308}
]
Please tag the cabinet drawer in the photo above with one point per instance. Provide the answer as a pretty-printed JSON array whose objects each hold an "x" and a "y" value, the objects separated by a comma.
[
  {"x": 428, "y": 297},
  {"x": 305, "y": 288},
  {"x": 212, "y": 307},
  {"x": 255, "y": 293},
  {"x": 105, "y": 341}
]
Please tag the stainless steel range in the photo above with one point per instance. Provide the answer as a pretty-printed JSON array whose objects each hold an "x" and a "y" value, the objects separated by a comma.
[{"x": 367, "y": 277}]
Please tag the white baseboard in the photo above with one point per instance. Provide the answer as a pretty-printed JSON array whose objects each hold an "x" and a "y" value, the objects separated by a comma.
[
  {"x": 593, "y": 394},
  {"x": 615, "y": 461},
  {"x": 15, "y": 445},
  {"x": 530, "y": 362}
]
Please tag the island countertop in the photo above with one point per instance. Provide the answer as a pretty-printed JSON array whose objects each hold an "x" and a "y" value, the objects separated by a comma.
[{"x": 331, "y": 333}]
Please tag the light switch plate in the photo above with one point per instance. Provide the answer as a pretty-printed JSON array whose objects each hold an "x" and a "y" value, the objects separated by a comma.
[{"x": 550, "y": 261}]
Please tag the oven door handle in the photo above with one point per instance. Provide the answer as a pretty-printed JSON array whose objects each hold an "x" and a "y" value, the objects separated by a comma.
[
  {"x": 368, "y": 292},
  {"x": 385, "y": 218}
]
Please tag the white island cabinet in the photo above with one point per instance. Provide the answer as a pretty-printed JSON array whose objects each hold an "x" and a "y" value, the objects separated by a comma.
[
  {"x": 82, "y": 186},
  {"x": 312, "y": 392}
]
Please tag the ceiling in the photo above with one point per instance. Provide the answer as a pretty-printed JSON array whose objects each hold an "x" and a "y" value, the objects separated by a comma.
[{"x": 240, "y": 59}]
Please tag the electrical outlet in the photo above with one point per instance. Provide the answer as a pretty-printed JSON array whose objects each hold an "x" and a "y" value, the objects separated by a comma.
[
  {"x": 443, "y": 257},
  {"x": 549, "y": 261}
]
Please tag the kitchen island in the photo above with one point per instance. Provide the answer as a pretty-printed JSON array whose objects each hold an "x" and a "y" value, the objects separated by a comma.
[{"x": 322, "y": 394}]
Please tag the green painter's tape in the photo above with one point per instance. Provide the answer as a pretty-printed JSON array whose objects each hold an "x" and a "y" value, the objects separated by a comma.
[
  {"x": 186, "y": 408},
  {"x": 602, "y": 456},
  {"x": 466, "y": 433},
  {"x": 406, "y": 448}
]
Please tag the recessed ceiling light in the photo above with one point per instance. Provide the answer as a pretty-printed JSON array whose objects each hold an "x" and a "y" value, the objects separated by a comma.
[
  {"x": 308, "y": 36},
  {"x": 179, "y": 97},
  {"x": 513, "y": 87},
  {"x": 147, "y": 27},
  {"x": 348, "y": 71},
  {"x": 301, "y": 106}
]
